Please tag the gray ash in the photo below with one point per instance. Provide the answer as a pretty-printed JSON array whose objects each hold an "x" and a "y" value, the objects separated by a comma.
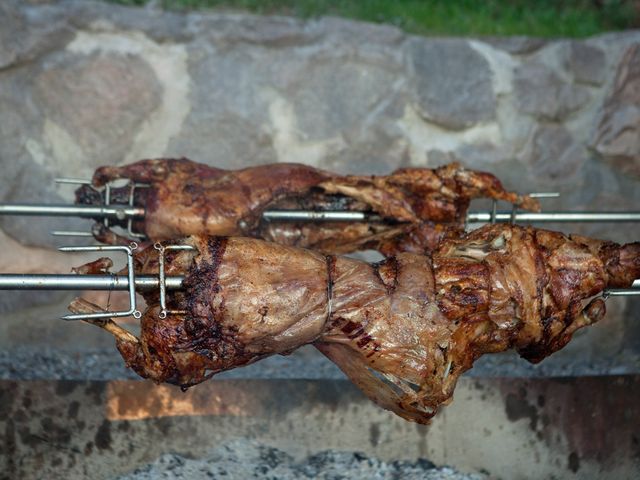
[{"x": 248, "y": 459}]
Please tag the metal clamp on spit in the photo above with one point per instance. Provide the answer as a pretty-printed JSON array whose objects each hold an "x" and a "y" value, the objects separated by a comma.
[{"x": 123, "y": 281}]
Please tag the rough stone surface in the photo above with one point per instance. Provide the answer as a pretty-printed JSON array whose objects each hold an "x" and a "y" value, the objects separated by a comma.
[
  {"x": 88, "y": 83},
  {"x": 71, "y": 88},
  {"x": 24, "y": 37},
  {"x": 445, "y": 91},
  {"x": 586, "y": 63},
  {"x": 554, "y": 154},
  {"x": 517, "y": 45},
  {"x": 617, "y": 135},
  {"x": 543, "y": 94},
  {"x": 249, "y": 459},
  {"x": 11, "y": 22}
]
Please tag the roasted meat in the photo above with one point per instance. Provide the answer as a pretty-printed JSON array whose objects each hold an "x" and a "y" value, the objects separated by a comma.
[
  {"x": 418, "y": 206},
  {"x": 403, "y": 330}
]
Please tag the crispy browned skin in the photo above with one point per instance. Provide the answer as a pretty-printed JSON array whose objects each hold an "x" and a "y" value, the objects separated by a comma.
[
  {"x": 420, "y": 206},
  {"x": 403, "y": 330}
]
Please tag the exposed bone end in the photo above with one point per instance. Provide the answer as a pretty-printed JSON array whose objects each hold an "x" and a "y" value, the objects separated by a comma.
[
  {"x": 143, "y": 171},
  {"x": 592, "y": 313},
  {"x": 80, "y": 305},
  {"x": 101, "y": 265},
  {"x": 107, "y": 236},
  {"x": 104, "y": 175},
  {"x": 630, "y": 262},
  {"x": 528, "y": 203},
  {"x": 487, "y": 184},
  {"x": 622, "y": 263}
]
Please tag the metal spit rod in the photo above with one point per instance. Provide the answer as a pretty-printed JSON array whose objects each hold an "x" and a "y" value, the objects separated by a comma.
[
  {"x": 70, "y": 281},
  {"x": 28, "y": 281},
  {"x": 130, "y": 212},
  {"x": 122, "y": 212},
  {"x": 565, "y": 217},
  {"x": 472, "y": 217},
  {"x": 319, "y": 216}
]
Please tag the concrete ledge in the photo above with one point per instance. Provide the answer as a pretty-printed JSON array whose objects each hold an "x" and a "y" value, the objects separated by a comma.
[
  {"x": 507, "y": 428},
  {"x": 29, "y": 363}
]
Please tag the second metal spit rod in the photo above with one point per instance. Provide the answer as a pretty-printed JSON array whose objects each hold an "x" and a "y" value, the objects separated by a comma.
[
  {"x": 564, "y": 217},
  {"x": 122, "y": 212},
  {"x": 472, "y": 217}
]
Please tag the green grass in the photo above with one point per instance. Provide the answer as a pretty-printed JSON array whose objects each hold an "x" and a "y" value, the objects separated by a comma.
[{"x": 543, "y": 18}]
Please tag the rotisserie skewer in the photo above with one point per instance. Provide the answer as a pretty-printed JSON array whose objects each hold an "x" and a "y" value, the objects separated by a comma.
[
  {"x": 409, "y": 210},
  {"x": 403, "y": 330},
  {"x": 144, "y": 283},
  {"x": 502, "y": 216}
]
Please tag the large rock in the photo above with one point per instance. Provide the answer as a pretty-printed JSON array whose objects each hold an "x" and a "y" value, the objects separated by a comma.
[
  {"x": 24, "y": 36},
  {"x": 11, "y": 23},
  {"x": 542, "y": 93},
  {"x": 452, "y": 83},
  {"x": 332, "y": 105},
  {"x": 587, "y": 63},
  {"x": 554, "y": 155},
  {"x": 95, "y": 104},
  {"x": 617, "y": 133}
]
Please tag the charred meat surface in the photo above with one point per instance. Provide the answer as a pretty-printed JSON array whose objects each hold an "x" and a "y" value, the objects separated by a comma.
[
  {"x": 403, "y": 330},
  {"x": 418, "y": 206}
]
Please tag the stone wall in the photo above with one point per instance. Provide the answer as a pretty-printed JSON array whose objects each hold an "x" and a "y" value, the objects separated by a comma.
[{"x": 84, "y": 84}]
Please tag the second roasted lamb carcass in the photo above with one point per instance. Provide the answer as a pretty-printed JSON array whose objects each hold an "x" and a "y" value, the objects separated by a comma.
[
  {"x": 403, "y": 330},
  {"x": 418, "y": 206}
]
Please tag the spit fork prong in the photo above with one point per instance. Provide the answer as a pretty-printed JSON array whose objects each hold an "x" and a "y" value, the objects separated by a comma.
[
  {"x": 106, "y": 281},
  {"x": 132, "y": 187},
  {"x": 107, "y": 202},
  {"x": 84, "y": 307},
  {"x": 514, "y": 207},
  {"x": 73, "y": 181},
  {"x": 70, "y": 233},
  {"x": 131, "y": 276},
  {"x": 162, "y": 278},
  {"x": 544, "y": 195}
]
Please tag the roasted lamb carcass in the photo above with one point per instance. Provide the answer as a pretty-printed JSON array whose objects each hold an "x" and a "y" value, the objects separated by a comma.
[
  {"x": 418, "y": 206},
  {"x": 403, "y": 330}
]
